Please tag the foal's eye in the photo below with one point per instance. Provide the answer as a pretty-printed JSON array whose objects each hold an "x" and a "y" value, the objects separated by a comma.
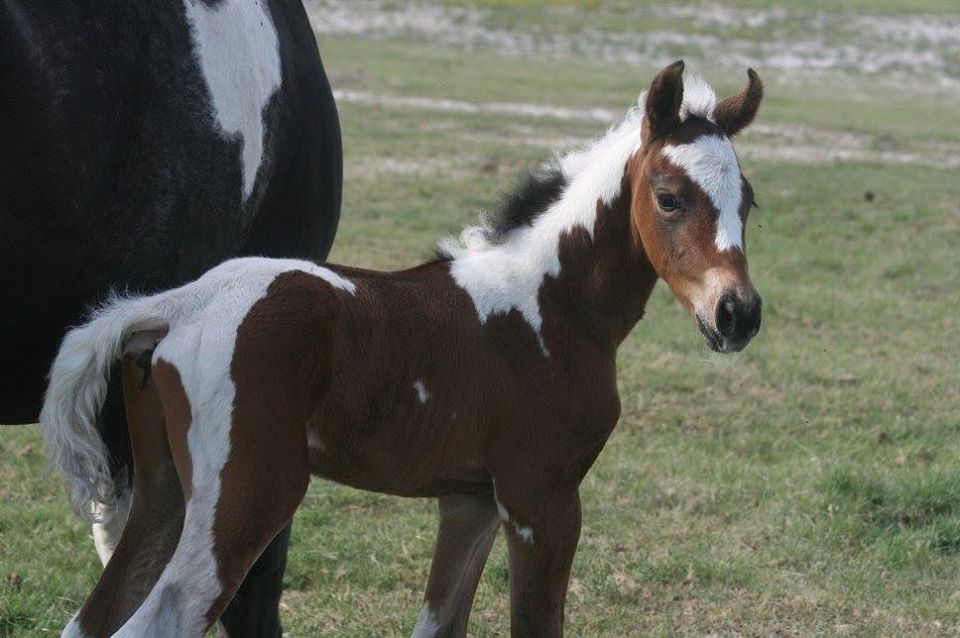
[{"x": 667, "y": 202}]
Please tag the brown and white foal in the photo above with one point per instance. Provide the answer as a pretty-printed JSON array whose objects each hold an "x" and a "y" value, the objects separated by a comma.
[{"x": 486, "y": 378}]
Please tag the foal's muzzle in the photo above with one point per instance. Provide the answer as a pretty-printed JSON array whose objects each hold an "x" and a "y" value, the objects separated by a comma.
[{"x": 736, "y": 321}]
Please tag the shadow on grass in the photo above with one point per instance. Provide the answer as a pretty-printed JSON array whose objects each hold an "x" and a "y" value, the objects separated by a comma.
[
  {"x": 913, "y": 510},
  {"x": 14, "y": 624}
]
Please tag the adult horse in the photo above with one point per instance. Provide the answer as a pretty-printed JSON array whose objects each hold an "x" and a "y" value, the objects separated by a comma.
[
  {"x": 143, "y": 143},
  {"x": 486, "y": 378}
]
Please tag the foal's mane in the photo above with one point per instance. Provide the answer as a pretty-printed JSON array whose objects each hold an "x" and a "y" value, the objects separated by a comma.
[
  {"x": 538, "y": 190},
  {"x": 534, "y": 192}
]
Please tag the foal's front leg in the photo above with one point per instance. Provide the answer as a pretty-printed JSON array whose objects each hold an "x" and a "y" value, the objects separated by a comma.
[
  {"x": 468, "y": 527},
  {"x": 542, "y": 532}
]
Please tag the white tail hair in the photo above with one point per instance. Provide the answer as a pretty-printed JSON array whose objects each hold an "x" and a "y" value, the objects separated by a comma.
[{"x": 77, "y": 390}]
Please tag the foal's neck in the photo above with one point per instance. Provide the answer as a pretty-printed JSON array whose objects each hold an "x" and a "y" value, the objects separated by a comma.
[
  {"x": 578, "y": 265},
  {"x": 604, "y": 280}
]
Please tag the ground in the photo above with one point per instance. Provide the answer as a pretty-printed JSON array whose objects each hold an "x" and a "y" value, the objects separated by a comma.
[{"x": 808, "y": 486}]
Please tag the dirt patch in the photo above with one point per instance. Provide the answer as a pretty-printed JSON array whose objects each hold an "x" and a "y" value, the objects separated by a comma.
[
  {"x": 804, "y": 42},
  {"x": 779, "y": 142}
]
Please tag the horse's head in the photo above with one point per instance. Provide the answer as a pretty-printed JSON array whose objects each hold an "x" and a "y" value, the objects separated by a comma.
[{"x": 690, "y": 203}]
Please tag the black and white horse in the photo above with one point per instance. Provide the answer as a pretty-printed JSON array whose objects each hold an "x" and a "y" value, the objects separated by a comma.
[{"x": 143, "y": 142}]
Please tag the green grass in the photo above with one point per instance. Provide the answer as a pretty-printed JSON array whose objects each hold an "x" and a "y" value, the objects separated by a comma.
[
  {"x": 808, "y": 486},
  {"x": 891, "y": 6}
]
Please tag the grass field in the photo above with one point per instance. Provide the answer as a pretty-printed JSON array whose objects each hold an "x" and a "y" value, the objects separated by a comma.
[{"x": 808, "y": 486}]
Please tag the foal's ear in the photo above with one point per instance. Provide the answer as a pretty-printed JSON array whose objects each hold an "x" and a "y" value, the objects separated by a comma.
[
  {"x": 662, "y": 108},
  {"x": 736, "y": 112}
]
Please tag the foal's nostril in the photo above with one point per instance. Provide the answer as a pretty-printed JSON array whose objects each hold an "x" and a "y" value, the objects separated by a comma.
[{"x": 727, "y": 315}]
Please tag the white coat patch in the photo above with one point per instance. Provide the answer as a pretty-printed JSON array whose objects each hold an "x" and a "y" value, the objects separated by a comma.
[
  {"x": 73, "y": 629},
  {"x": 236, "y": 45},
  {"x": 314, "y": 442},
  {"x": 711, "y": 163},
  {"x": 106, "y": 535},
  {"x": 427, "y": 623},
  {"x": 421, "y": 390},
  {"x": 525, "y": 533}
]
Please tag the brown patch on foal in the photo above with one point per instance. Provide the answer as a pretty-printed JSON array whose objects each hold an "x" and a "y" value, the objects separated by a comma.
[
  {"x": 282, "y": 352},
  {"x": 177, "y": 410}
]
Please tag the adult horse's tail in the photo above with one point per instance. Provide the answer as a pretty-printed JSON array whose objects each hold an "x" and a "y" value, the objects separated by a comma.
[{"x": 76, "y": 393}]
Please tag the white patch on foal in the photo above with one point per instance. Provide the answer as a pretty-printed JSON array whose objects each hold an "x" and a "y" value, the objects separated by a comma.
[
  {"x": 525, "y": 533},
  {"x": 106, "y": 534},
  {"x": 73, "y": 629},
  {"x": 421, "y": 391},
  {"x": 427, "y": 623},
  {"x": 711, "y": 163},
  {"x": 314, "y": 441},
  {"x": 204, "y": 318},
  {"x": 507, "y": 276},
  {"x": 236, "y": 45}
]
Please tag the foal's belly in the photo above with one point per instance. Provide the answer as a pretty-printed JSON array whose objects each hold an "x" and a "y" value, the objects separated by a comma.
[{"x": 403, "y": 456}]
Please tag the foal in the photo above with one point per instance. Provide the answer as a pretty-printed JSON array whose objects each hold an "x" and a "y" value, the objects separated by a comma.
[{"x": 485, "y": 378}]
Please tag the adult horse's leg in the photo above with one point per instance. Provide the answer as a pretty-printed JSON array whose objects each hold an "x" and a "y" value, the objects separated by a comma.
[
  {"x": 155, "y": 520},
  {"x": 468, "y": 526},
  {"x": 542, "y": 534},
  {"x": 255, "y": 608}
]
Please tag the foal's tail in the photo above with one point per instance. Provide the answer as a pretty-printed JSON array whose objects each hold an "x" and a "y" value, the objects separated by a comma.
[{"x": 76, "y": 393}]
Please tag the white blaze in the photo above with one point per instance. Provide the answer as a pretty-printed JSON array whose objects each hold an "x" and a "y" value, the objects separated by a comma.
[
  {"x": 236, "y": 45},
  {"x": 711, "y": 163}
]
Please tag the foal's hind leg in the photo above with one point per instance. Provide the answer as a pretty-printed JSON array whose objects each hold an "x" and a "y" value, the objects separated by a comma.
[
  {"x": 468, "y": 527},
  {"x": 244, "y": 475},
  {"x": 155, "y": 518}
]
